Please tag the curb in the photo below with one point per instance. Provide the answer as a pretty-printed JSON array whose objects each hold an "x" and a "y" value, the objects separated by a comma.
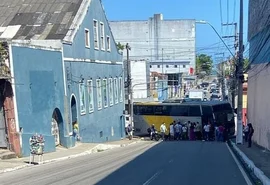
[
  {"x": 257, "y": 172},
  {"x": 96, "y": 149}
]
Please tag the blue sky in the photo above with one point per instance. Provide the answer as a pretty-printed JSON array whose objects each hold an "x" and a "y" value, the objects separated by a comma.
[{"x": 208, "y": 10}]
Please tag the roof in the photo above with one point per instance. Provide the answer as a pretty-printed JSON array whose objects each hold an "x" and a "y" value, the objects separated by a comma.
[{"x": 37, "y": 19}]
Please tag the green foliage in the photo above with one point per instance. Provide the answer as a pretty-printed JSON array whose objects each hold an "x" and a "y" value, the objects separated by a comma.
[
  {"x": 204, "y": 63},
  {"x": 120, "y": 47}
]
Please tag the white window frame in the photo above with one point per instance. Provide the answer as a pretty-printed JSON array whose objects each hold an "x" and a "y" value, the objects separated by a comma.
[
  {"x": 116, "y": 91},
  {"x": 82, "y": 111},
  {"x": 87, "y": 34},
  {"x": 95, "y": 28},
  {"x": 120, "y": 85},
  {"x": 90, "y": 85},
  {"x": 111, "y": 92},
  {"x": 102, "y": 36},
  {"x": 103, "y": 95},
  {"x": 99, "y": 91},
  {"x": 108, "y": 43}
]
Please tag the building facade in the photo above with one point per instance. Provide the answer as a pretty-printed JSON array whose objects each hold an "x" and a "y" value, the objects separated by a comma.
[
  {"x": 65, "y": 70},
  {"x": 168, "y": 47},
  {"x": 258, "y": 74}
]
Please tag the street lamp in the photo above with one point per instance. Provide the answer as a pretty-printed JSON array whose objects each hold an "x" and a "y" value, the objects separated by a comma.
[{"x": 205, "y": 22}]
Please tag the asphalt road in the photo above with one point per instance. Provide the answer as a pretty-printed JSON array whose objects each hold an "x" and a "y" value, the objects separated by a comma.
[{"x": 184, "y": 162}]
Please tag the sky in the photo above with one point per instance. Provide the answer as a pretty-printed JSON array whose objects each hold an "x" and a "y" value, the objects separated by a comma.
[{"x": 215, "y": 12}]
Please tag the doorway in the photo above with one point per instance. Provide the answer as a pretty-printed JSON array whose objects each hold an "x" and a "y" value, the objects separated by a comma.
[
  {"x": 57, "y": 126},
  {"x": 74, "y": 121}
]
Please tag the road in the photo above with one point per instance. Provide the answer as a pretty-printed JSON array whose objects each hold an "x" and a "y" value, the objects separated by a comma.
[{"x": 182, "y": 162}]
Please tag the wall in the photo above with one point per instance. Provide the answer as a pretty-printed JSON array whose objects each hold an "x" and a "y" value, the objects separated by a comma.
[
  {"x": 78, "y": 50},
  {"x": 39, "y": 90},
  {"x": 106, "y": 119},
  {"x": 176, "y": 37},
  {"x": 138, "y": 76},
  {"x": 87, "y": 63},
  {"x": 258, "y": 87}
]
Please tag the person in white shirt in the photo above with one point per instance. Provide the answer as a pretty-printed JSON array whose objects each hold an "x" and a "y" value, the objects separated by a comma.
[
  {"x": 184, "y": 132},
  {"x": 163, "y": 129},
  {"x": 206, "y": 131}
]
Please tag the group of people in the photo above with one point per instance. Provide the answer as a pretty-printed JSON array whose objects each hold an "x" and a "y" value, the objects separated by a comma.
[{"x": 191, "y": 131}]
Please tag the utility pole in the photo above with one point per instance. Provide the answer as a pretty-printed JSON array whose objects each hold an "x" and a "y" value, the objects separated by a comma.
[
  {"x": 128, "y": 84},
  {"x": 239, "y": 136},
  {"x": 234, "y": 75},
  {"x": 162, "y": 67}
]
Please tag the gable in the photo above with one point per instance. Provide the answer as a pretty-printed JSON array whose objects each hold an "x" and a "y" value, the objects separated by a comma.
[
  {"x": 75, "y": 41},
  {"x": 35, "y": 19}
]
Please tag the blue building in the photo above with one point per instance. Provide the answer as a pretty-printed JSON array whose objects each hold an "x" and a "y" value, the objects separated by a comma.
[{"x": 65, "y": 69}]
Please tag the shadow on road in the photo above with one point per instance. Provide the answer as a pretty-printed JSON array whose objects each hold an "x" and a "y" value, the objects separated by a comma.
[{"x": 179, "y": 162}]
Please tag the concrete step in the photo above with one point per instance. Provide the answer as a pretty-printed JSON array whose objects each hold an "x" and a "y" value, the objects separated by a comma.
[{"x": 6, "y": 154}]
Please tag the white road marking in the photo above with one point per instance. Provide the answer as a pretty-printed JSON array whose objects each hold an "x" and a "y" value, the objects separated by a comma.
[
  {"x": 239, "y": 166},
  {"x": 153, "y": 178}
]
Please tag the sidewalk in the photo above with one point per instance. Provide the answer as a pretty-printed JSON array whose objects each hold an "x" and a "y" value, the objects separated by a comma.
[
  {"x": 257, "y": 160},
  {"x": 61, "y": 153}
]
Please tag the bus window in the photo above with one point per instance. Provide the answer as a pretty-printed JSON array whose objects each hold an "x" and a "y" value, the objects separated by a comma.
[
  {"x": 179, "y": 110},
  {"x": 195, "y": 111},
  {"x": 160, "y": 110}
]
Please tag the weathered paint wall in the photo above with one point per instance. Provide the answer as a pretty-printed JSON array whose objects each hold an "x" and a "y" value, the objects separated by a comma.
[
  {"x": 39, "y": 90},
  {"x": 78, "y": 49},
  {"x": 82, "y": 64},
  {"x": 104, "y": 120},
  {"x": 259, "y": 88},
  {"x": 176, "y": 37}
]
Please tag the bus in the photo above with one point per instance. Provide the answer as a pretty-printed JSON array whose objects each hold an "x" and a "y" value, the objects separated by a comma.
[{"x": 146, "y": 114}]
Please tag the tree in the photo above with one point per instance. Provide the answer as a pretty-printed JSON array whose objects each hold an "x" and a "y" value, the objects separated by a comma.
[
  {"x": 120, "y": 47},
  {"x": 204, "y": 64}
]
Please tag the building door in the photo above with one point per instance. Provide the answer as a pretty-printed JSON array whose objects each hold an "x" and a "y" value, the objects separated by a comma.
[{"x": 3, "y": 142}]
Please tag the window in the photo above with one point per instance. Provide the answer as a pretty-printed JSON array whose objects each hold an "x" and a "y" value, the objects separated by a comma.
[
  {"x": 158, "y": 66},
  {"x": 90, "y": 95},
  {"x": 175, "y": 66},
  {"x": 108, "y": 43},
  {"x": 96, "y": 34},
  {"x": 87, "y": 38},
  {"x": 102, "y": 36},
  {"x": 150, "y": 66},
  {"x": 99, "y": 95},
  {"x": 184, "y": 66},
  {"x": 82, "y": 98},
  {"x": 120, "y": 89},
  {"x": 115, "y": 90},
  {"x": 105, "y": 93},
  {"x": 111, "y": 91}
]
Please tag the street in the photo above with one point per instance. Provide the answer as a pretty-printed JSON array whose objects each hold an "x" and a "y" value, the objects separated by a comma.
[{"x": 184, "y": 162}]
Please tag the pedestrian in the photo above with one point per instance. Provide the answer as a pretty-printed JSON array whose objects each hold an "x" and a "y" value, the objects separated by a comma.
[
  {"x": 177, "y": 131},
  {"x": 163, "y": 129},
  {"x": 207, "y": 131},
  {"x": 246, "y": 131},
  {"x": 250, "y": 134},
  {"x": 191, "y": 132},
  {"x": 171, "y": 131},
  {"x": 130, "y": 132}
]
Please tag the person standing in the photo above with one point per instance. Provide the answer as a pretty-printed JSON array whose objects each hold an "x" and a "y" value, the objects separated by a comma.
[
  {"x": 207, "y": 131},
  {"x": 250, "y": 134},
  {"x": 163, "y": 129}
]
